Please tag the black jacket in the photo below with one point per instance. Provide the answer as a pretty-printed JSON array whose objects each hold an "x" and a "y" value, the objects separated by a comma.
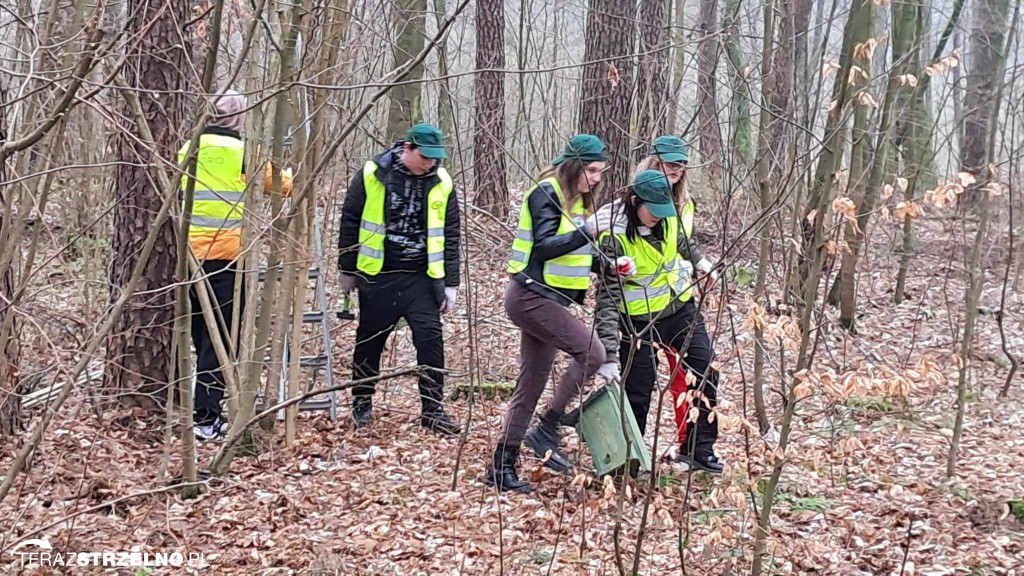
[
  {"x": 394, "y": 181},
  {"x": 547, "y": 244}
]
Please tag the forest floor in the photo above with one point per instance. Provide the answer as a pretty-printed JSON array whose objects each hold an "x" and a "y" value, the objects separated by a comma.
[{"x": 863, "y": 490}]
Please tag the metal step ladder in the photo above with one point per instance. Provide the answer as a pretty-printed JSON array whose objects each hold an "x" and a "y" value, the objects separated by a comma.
[{"x": 321, "y": 316}]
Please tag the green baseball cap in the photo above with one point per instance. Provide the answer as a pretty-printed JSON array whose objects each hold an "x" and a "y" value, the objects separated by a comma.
[
  {"x": 654, "y": 189},
  {"x": 671, "y": 149},
  {"x": 428, "y": 140},
  {"x": 583, "y": 147}
]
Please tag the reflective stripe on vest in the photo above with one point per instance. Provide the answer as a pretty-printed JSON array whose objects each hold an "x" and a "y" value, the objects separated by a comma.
[
  {"x": 660, "y": 276},
  {"x": 571, "y": 270},
  {"x": 373, "y": 230},
  {"x": 219, "y": 202}
]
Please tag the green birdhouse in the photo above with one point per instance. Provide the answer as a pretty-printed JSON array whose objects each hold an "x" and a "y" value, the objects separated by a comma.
[{"x": 599, "y": 422}]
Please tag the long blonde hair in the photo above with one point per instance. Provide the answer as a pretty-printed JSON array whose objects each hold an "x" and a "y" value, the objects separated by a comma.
[
  {"x": 568, "y": 173},
  {"x": 679, "y": 194}
]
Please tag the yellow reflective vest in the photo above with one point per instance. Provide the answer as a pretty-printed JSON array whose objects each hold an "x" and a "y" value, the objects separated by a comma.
[
  {"x": 373, "y": 229},
  {"x": 661, "y": 274},
  {"x": 216, "y": 228},
  {"x": 569, "y": 271}
]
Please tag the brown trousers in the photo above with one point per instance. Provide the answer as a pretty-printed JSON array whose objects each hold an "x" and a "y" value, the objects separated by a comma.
[{"x": 547, "y": 327}]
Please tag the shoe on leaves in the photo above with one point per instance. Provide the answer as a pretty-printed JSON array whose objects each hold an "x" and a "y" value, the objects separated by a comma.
[
  {"x": 362, "y": 414},
  {"x": 441, "y": 423},
  {"x": 212, "y": 431},
  {"x": 544, "y": 440},
  {"x": 502, "y": 473},
  {"x": 705, "y": 463}
]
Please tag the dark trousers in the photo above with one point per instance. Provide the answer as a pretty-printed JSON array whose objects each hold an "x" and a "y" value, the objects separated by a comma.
[
  {"x": 209, "y": 378},
  {"x": 670, "y": 332},
  {"x": 384, "y": 300},
  {"x": 547, "y": 327}
]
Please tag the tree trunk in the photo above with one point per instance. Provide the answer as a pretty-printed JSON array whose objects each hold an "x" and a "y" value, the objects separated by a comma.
[
  {"x": 707, "y": 100},
  {"x": 139, "y": 347},
  {"x": 975, "y": 272},
  {"x": 739, "y": 109},
  {"x": 607, "y": 87},
  {"x": 762, "y": 171},
  {"x": 489, "y": 131},
  {"x": 988, "y": 30},
  {"x": 975, "y": 275},
  {"x": 865, "y": 202},
  {"x": 678, "y": 63},
  {"x": 445, "y": 113},
  {"x": 652, "y": 77},
  {"x": 860, "y": 160},
  {"x": 793, "y": 17},
  {"x": 908, "y": 30},
  {"x": 10, "y": 384},
  {"x": 820, "y": 197},
  {"x": 409, "y": 20}
]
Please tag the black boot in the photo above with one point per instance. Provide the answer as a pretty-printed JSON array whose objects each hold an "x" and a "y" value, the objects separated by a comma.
[
  {"x": 543, "y": 437},
  {"x": 706, "y": 462},
  {"x": 362, "y": 411},
  {"x": 439, "y": 421},
  {"x": 502, "y": 472}
]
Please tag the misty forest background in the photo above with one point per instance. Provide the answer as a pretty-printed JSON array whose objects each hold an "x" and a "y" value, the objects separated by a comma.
[{"x": 856, "y": 167}]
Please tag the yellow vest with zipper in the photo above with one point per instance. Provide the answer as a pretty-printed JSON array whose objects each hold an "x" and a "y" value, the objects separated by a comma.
[
  {"x": 569, "y": 271},
  {"x": 373, "y": 229},
  {"x": 215, "y": 232},
  {"x": 660, "y": 275}
]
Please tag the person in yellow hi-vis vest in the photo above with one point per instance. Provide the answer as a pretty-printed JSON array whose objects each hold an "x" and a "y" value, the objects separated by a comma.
[
  {"x": 399, "y": 245},
  {"x": 653, "y": 304},
  {"x": 214, "y": 237},
  {"x": 550, "y": 267}
]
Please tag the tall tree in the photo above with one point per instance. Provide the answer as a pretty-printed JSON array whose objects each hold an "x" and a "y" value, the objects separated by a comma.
[
  {"x": 707, "y": 98},
  {"x": 607, "y": 85},
  {"x": 10, "y": 397},
  {"x": 409, "y": 19},
  {"x": 489, "y": 132},
  {"x": 788, "y": 61},
  {"x": 855, "y": 34},
  {"x": 139, "y": 348},
  {"x": 678, "y": 63},
  {"x": 988, "y": 30},
  {"x": 652, "y": 77},
  {"x": 860, "y": 161},
  {"x": 739, "y": 108},
  {"x": 445, "y": 113}
]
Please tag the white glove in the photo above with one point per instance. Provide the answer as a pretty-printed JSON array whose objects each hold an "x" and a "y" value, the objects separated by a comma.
[
  {"x": 347, "y": 282},
  {"x": 451, "y": 295},
  {"x": 604, "y": 219},
  {"x": 705, "y": 266},
  {"x": 625, "y": 266},
  {"x": 609, "y": 371}
]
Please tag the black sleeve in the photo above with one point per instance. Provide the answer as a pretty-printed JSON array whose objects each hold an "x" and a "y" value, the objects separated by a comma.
[
  {"x": 351, "y": 214},
  {"x": 547, "y": 215},
  {"x": 452, "y": 228}
]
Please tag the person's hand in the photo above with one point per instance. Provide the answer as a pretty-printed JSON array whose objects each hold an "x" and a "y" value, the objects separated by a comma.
[
  {"x": 708, "y": 274},
  {"x": 625, "y": 266},
  {"x": 590, "y": 227},
  {"x": 347, "y": 282},
  {"x": 609, "y": 371},
  {"x": 451, "y": 295}
]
